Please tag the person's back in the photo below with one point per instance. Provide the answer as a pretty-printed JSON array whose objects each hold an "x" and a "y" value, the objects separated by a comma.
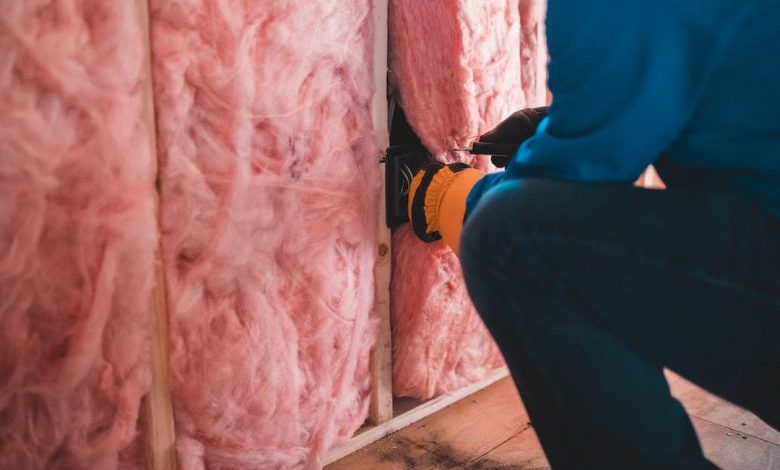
[{"x": 734, "y": 129}]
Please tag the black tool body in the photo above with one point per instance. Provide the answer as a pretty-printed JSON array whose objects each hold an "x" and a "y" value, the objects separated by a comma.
[{"x": 403, "y": 159}]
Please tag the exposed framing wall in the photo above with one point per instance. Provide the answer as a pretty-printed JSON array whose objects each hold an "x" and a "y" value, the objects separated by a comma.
[
  {"x": 381, "y": 407},
  {"x": 396, "y": 413},
  {"x": 386, "y": 413},
  {"x": 159, "y": 434}
]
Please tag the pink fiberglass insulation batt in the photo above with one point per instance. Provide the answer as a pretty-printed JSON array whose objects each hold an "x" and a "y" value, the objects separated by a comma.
[
  {"x": 456, "y": 66},
  {"x": 269, "y": 176},
  {"x": 439, "y": 341},
  {"x": 451, "y": 67},
  {"x": 533, "y": 55},
  {"x": 77, "y": 233}
]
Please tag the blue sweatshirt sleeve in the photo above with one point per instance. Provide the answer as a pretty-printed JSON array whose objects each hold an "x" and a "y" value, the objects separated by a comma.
[{"x": 625, "y": 78}]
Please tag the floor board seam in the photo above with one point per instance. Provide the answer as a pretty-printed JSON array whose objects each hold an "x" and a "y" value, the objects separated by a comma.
[
  {"x": 776, "y": 444},
  {"x": 527, "y": 427}
]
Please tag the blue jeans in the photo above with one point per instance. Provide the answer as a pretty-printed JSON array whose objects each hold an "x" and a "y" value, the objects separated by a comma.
[{"x": 590, "y": 290}]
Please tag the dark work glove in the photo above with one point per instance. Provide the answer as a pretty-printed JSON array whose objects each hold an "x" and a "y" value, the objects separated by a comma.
[{"x": 514, "y": 130}]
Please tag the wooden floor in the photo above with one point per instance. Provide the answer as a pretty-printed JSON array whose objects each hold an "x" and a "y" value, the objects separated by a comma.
[{"x": 490, "y": 430}]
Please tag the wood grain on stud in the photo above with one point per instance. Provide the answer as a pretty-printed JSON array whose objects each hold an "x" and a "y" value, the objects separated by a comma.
[
  {"x": 159, "y": 437},
  {"x": 381, "y": 405}
]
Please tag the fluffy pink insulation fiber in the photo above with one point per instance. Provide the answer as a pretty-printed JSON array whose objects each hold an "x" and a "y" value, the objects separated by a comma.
[
  {"x": 77, "y": 233},
  {"x": 269, "y": 178},
  {"x": 459, "y": 67},
  {"x": 533, "y": 54}
]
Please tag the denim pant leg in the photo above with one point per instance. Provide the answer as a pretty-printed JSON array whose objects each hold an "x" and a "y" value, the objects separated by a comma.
[{"x": 590, "y": 290}]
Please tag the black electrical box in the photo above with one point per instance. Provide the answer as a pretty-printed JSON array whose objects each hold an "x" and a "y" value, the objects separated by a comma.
[{"x": 405, "y": 156}]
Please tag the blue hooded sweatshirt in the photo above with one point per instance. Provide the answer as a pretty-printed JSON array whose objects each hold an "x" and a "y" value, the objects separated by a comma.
[{"x": 696, "y": 81}]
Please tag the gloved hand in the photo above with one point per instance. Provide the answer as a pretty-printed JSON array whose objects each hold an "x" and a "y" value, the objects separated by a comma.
[
  {"x": 437, "y": 201},
  {"x": 438, "y": 192},
  {"x": 514, "y": 130}
]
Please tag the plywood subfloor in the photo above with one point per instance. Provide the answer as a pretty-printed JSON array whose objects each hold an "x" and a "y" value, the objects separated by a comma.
[{"x": 490, "y": 430}]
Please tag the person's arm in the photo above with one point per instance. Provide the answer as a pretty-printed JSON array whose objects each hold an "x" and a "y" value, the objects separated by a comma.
[{"x": 625, "y": 78}]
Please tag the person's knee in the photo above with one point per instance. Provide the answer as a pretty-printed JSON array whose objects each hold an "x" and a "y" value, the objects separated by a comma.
[
  {"x": 490, "y": 235},
  {"x": 481, "y": 229},
  {"x": 489, "y": 228},
  {"x": 499, "y": 247}
]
